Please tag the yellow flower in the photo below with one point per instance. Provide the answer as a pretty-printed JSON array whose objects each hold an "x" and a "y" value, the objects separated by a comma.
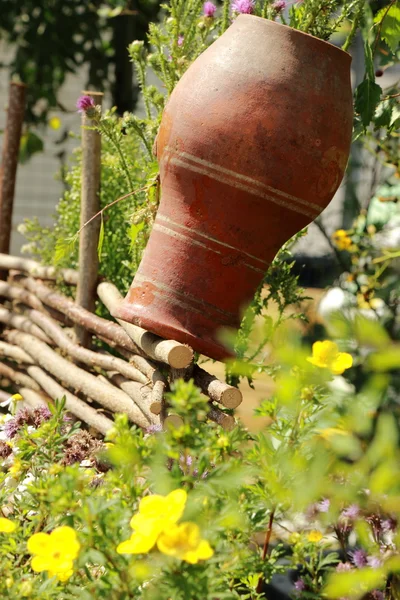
[
  {"x": 55, "y": 123},
  {"x": 54, "y": 552},
  {"x": 15, "y": 468},
  {"x": 327, "y": 356},
  {"x": 315, "y": 536},
  {"x": 341, "y": 240},
  {"x": 7, "y": 526},
  {"x": 184, "y": 541},
  {"x": 156, "y": 513}
]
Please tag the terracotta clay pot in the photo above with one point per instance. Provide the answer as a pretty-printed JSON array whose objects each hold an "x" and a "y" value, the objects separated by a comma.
[{"x": 252, "y": 146}]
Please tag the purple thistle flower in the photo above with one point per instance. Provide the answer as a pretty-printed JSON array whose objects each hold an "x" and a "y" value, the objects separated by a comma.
[
  {"x": 378, "y": 595},
  {"x": 300, "y": 585},
  {"x": 244, "y": 7},
  {"x": 351, "y": 512},
  {"x": 359, "y": 558},
  {"x": 11, "y": 428},
  {"x": 324, "y": 505},
  {"x": 209, "y": 9},
  {"x": 41, "y": 414},
  {"x": 180, "y": 40},
  {"x": 343, "y": 566},
  {"x": 85, "y": 104},
  {"x": 279, "y": 5}
]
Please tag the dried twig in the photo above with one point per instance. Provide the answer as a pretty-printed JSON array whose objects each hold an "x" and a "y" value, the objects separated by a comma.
[
  {"x": 9, "y": 163},
  {"x": 217, "y": 390},
  {"x": 90, "y": 205},
  {"x": 22, "y": 323},
  {"x": 13, "y": 292},
  {"x": 77, "y": 407},
  {"x": 218, "y": 416},
  {"x": 93, "y": 359},
  {"x": 34, "y": 269},
  {"x": 77, "y": 378},
  {"x": 77, "y": 314},
  {"x": 170, "y": 352},
  {"x": 15, "y": 353},
  {"x": 20, "y": 379}
]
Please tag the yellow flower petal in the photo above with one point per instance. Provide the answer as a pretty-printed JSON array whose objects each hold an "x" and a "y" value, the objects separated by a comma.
[
  {"x": 138, "y": 543},
  {"x": 62, "y": 575},
  {"x": 41, "y": 563},
  {"x": 202, "y": 552},
  {"x": 152, "y": 506},
  {"x": 65, "y": 540},
  {"x": 183, "y": 541},
  {"x": 176, "y": 502},
  {"x": 315, "y": 536},
  {"x": 342, "y": 362},
  {"x": 7, "y": 526},
  {"x": 39, "y": 543}
]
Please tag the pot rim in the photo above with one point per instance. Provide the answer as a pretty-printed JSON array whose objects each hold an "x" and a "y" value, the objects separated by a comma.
[{"x": 307, "y": 35}]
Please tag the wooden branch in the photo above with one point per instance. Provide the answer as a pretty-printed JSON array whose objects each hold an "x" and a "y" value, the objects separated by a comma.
[
  {"x": 34, "y": 269},
  {"x": 77, "y": 407},
  {"x": 158, "y": 406},
  {"x": 34, "y": 399},
  {"x": 9, "y": 163},
  {"x": 217, "y": 390},
  {"x": 77, "y": 314},
  {"x": 13, "y": 292},
  {"x": 76, "y": 378},
  {"x": 22, "y": 323},
  {"x": 90, "y": 205},
  {"x": 20, "y": 379},
  {"x": 218, "y": 416},
  {"x": 173, "y": 353},
  {"x": 15, "y": 353},
  {"x": 93, "y": 359},
  {"x": 138, "y": 392}
]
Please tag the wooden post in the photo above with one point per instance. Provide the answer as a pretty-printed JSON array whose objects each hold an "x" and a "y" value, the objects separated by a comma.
[
  {"x": 90, "y": 205},
  {"x": 8, "y": 168}
]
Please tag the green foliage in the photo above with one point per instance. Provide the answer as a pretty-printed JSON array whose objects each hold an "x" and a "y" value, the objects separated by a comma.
[{"x": 389, "y": 18}]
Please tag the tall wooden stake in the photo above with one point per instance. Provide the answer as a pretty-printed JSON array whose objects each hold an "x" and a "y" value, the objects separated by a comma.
[
  {"x": 90, "y": 205},
  {"x": 8, "y": 168}
]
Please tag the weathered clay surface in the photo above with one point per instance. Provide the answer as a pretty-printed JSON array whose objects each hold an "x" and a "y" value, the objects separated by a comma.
[{"x": 253, "y": 144}]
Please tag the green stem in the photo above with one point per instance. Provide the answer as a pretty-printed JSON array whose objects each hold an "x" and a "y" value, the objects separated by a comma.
[
  {"x": 354, "y": 26},
  {"x": 225, "y": 15}
]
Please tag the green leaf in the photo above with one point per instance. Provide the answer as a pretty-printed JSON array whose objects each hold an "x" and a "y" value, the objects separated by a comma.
[
  {"x": 369, "y": 62},
  {"x": 134, "y": 231},
  {"x": 367, "y": 98},
  {"x": 390, "y": 29},
  {"x": 101, "y": 237},
  {"x": 64, "y": 248}
]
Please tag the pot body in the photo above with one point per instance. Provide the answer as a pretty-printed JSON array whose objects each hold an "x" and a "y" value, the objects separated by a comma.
[{"x": 253, "y": 144}]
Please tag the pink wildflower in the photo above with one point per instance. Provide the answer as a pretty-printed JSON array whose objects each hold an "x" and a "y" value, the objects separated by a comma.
[
  {"x": 359, "y": 558},
  {"x": 180, "y": 40},
  {"x": 209, "y": 9},
  {"x": 244, "y": 7},
  {"x": 300, "y": 585},
  {"x": 279, "y": 5},
  {"x": 85, "y": 104}
]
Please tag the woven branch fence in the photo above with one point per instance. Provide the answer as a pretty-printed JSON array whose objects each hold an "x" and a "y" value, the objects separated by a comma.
[{"x": 42, "y": 359}]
